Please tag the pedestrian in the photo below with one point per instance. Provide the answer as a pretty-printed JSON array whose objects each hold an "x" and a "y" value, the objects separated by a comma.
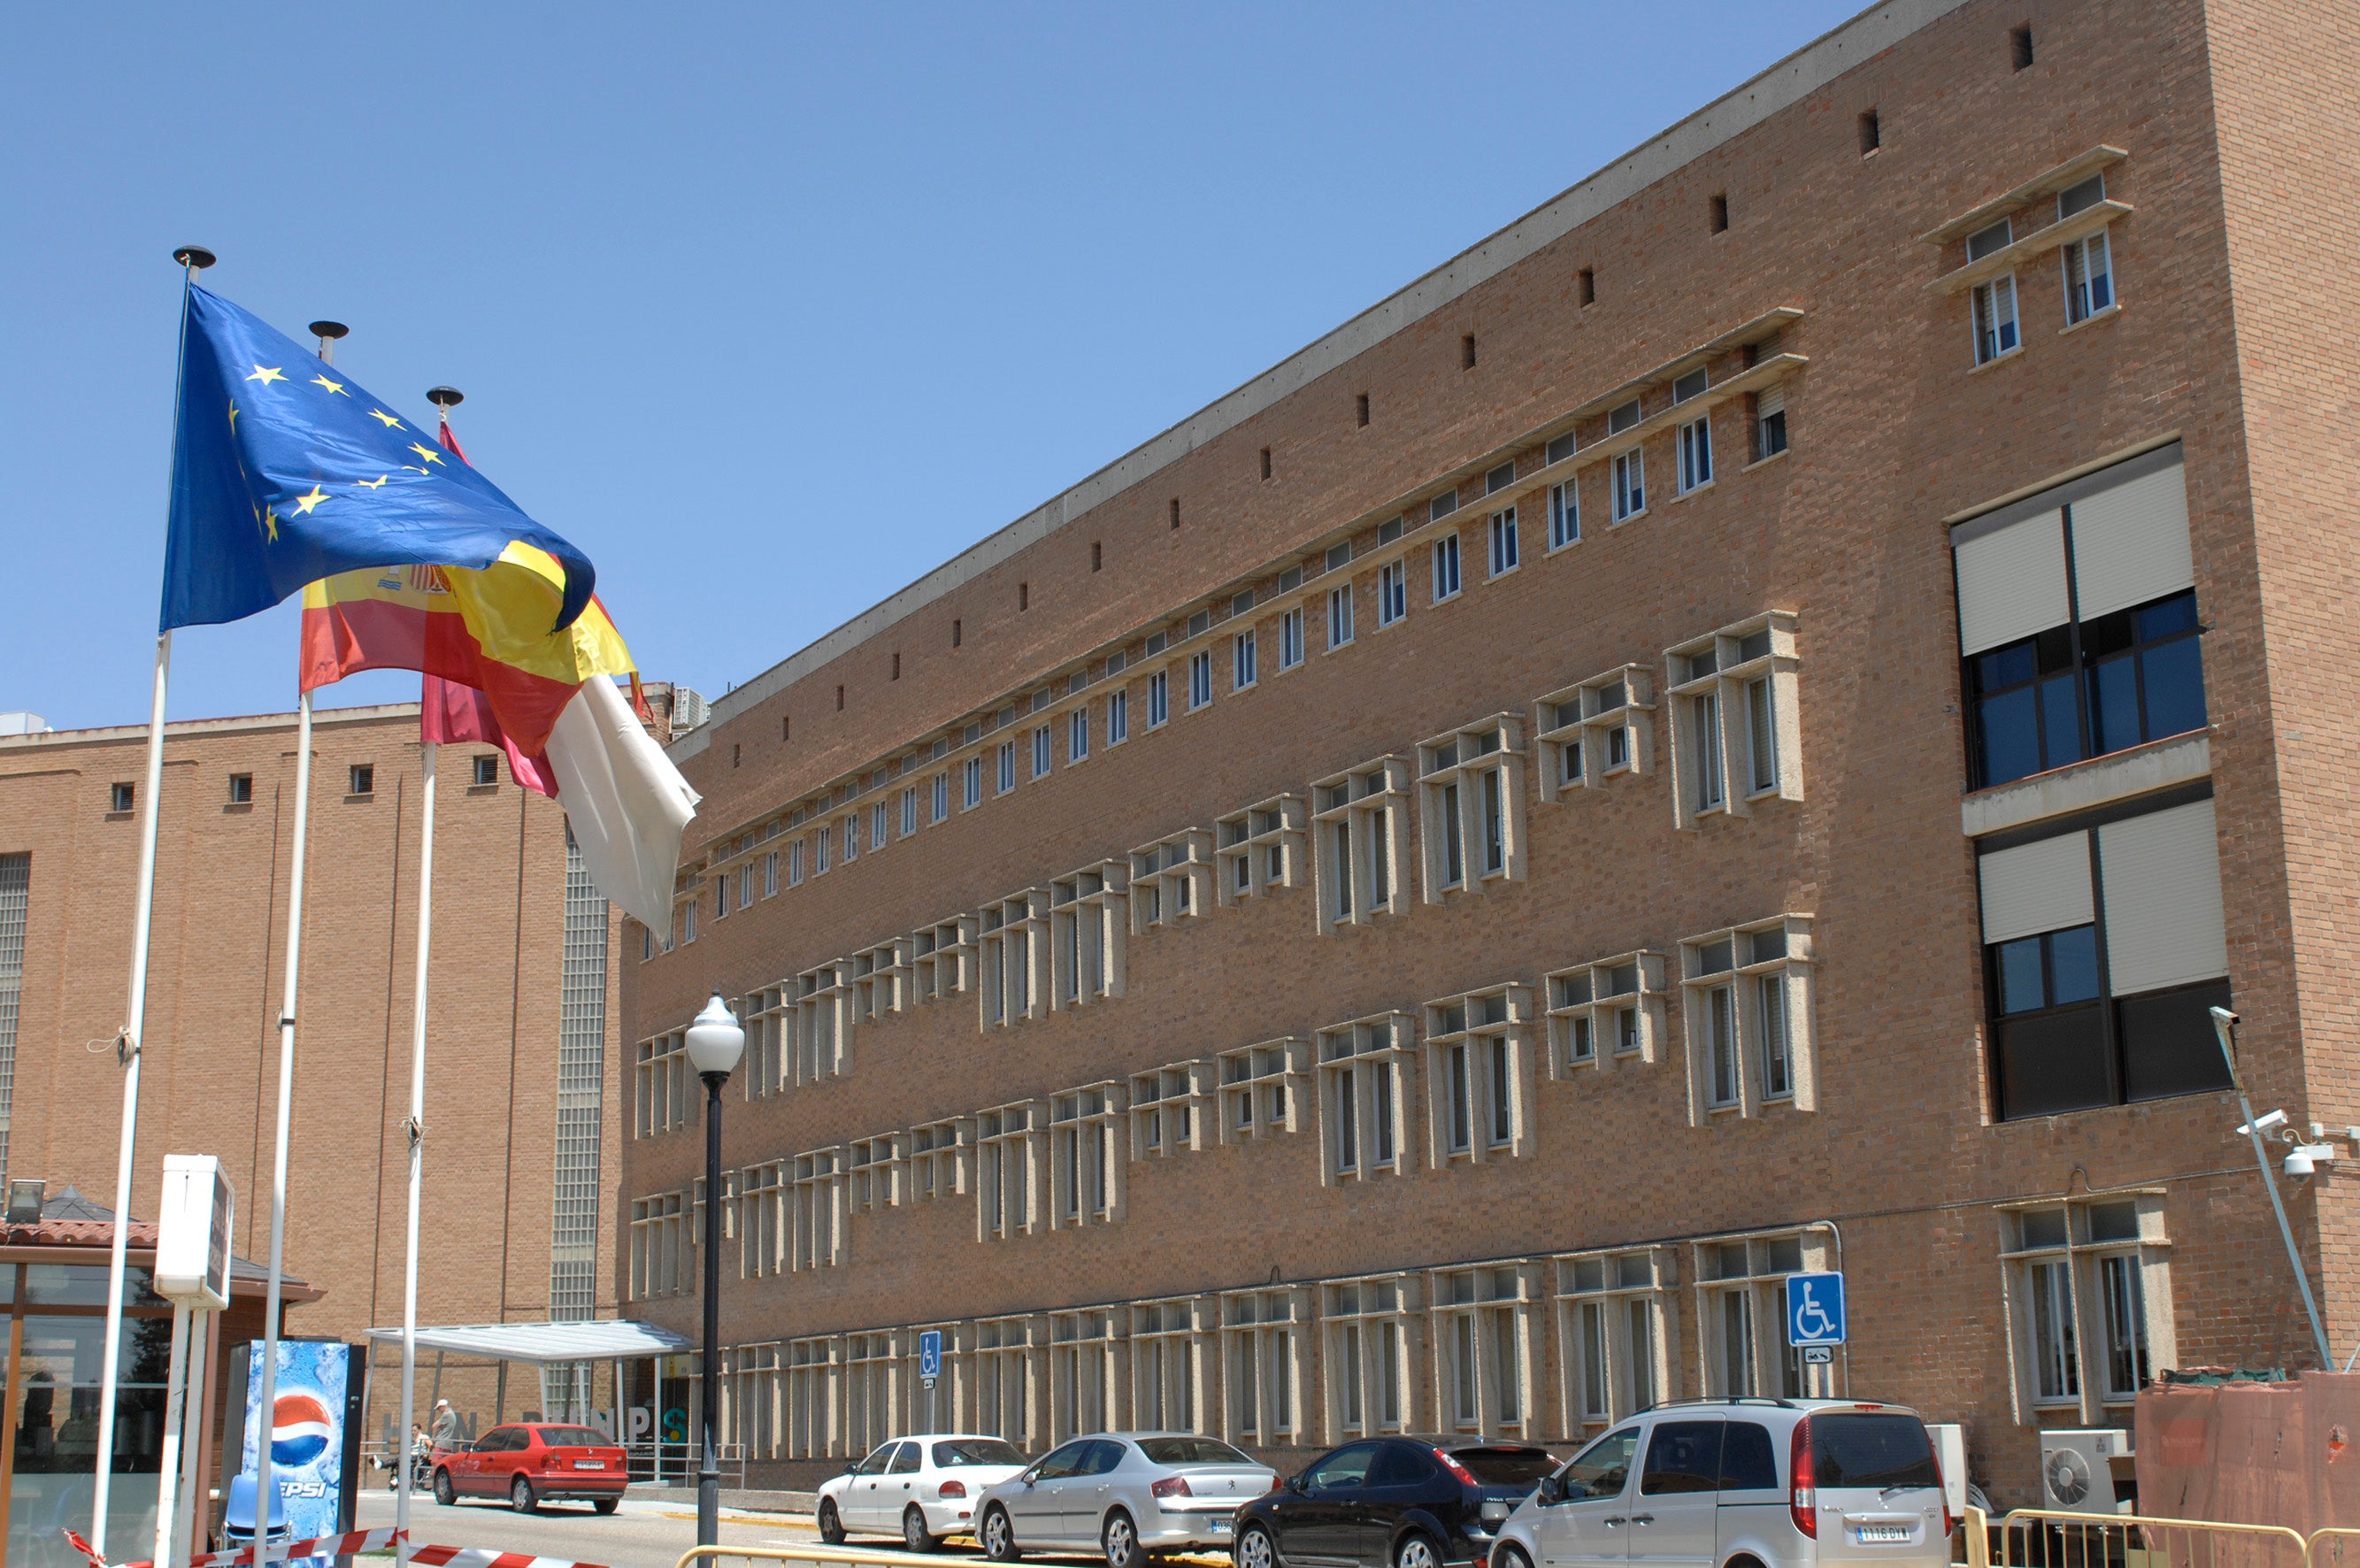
[{"x": 447, "y": 1425}]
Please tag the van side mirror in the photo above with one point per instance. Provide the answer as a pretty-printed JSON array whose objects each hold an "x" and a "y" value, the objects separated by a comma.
[{"x": 1552, "y": 1489}]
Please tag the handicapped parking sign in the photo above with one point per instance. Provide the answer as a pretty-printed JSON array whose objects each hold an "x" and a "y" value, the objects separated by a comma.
[
  {"x": 930, "y": 1357},
  {"x": 1814, "y": 1309}
]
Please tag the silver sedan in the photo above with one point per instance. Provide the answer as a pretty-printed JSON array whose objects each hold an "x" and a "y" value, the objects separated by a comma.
[{"x": 1126, "y": 1494}]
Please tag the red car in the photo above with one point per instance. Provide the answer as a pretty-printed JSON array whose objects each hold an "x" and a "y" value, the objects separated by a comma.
[{"x": 533, "y": 1464}]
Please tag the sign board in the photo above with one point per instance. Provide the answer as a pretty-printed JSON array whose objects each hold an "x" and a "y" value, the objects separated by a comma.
[
  {"x": 1818, "y": 1356},
  {"x": 314, "y": 1432},
  {"x": 1814, "y": 1309},
  {"x": 192, "y": 1230},
  {"x": 930, "y": 1357}
]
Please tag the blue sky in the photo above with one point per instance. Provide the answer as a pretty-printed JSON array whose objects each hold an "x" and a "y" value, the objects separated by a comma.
[{"x": 769, "y": 307}]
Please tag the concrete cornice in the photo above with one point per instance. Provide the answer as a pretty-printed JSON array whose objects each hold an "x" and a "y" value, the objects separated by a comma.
[{"x": 12, "y": 746}]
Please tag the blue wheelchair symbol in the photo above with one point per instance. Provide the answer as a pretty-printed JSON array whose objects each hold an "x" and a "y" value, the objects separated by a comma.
[
  {"x": 930, "y": 1353},
  {"x": 1814, "y": 1309}
]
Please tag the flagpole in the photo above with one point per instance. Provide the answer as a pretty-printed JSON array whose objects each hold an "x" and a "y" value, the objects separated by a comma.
[{"x": 194, "y": 259}]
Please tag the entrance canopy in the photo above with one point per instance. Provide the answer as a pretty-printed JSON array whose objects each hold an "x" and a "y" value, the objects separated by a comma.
[{"x": 599, "y": 1340}]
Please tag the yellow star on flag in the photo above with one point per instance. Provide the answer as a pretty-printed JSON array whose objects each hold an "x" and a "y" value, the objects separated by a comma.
[
  {"x": 336, "y": 387},
  {"x": 391, "y": 423},
  {"x": 303, "y": 504},
  {"x": 265, "y": 374},
  {"x": 233, "y": 417},
  {"x": 270, "y": 521},
  {"x": 428, "y": 452},
  {"x": 376, "y": 483}
]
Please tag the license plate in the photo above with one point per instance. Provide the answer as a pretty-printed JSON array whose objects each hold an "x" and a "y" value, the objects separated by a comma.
[
  {"x": 1869, "y": 1532},
  {"x": 589, "y": 1465},
  {"x": 1217, "y": 1521}
]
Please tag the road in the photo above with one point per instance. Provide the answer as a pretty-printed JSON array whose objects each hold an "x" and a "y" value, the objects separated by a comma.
[{"x": 640, "y": 1535}]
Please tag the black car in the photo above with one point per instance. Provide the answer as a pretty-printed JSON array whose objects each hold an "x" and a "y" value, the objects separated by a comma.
[{"x": 1391, "y": 1502}]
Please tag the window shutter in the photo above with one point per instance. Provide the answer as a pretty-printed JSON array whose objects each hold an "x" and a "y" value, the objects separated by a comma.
[
  {"x": 2162, "y": 878},
  {"x": 2130, "y": 543},
  {"x": 2012, "y": 583},
  {"x": 2043, "y": 886},
  {"x": 1771, "y": 399}
]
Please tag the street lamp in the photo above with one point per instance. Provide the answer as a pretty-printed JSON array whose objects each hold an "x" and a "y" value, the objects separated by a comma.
[
  {"x": 2224, "y": 1029},
  {"x": 716, "y": 1040}
]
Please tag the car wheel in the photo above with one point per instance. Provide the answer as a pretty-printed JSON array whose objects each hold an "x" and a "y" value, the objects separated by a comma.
[
  {"x": 831, "y": 1524},
  {"x": 998, "y": 1537},
  {"x": 1416, "y": 1550},
  {"x": 1119, "y": 1541},
  {"x": 914, "y": 1533},
  {"x": 606, "y": 1505},
  {"x": 520, "y": 1499},
  {"x": 1511, "y": 1555},
  {"x": 1254, "y": 1549},
  {"x": 444, "y": 1493}
]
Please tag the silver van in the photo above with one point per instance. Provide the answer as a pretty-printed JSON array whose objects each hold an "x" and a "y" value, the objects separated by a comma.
[{"x": 1701, "y": 1483}]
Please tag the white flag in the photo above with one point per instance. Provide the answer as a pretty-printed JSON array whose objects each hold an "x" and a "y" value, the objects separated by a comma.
[{"x": 626, "y": 802}]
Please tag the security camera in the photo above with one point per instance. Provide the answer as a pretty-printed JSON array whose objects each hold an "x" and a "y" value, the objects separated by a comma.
[
  {"x": 2306, "y": 1158},
  {"x": 2266, "y": 1123}
]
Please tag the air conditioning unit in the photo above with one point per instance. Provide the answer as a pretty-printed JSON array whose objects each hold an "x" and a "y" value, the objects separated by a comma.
[{"x": 2077, "y": 1471}]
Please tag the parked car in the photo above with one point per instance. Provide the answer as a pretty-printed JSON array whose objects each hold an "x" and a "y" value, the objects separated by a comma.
[
  {"x": 926, "y": 1487},
  {"x": 1126, "y": 1494},
  {"x": 1785, "y": 1483},
  {"x": 1410, "y": 1502},
  {"x": 530, "y": 1463}
]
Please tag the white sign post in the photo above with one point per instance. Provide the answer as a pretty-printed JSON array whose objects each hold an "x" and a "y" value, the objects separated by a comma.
[{"x": 193, "y": 1232}]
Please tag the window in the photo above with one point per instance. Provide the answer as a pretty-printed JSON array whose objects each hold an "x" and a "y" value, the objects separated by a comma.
[
  {"x": 1586, "y": 281},
  {"x": 1339, "y": 616},
  {"x": 761, "y": 1209},
  {"x": 1479, "y": 1075},
  {"x": 1006, "y": 768},
  {"x": 1171, "y": 879},
  {"x": 2077, "y": 623},
  {"x": 1360, "y": 839},
  {"x": 1370, "y": 1338},
  {"x": 1261, "y": 1089},
  {"x": 1993, "y": 303},
  {"x": 1607, "y": 1013},
  {"x": 1083, "y": 1362},
  {"x": 487, "y": 768},
  {"x": 1200, "y": 679},
  {"x": 1735, "y": 696},
  {"x": 878, "y": 824},
  {"x": 1720, "y": 212},
  {"x": 1167, "y": 1359},
  {"x": 1009, "y": 1152},
  {"x": 2089, "y": 1280},
  {"x": 1565, "y": 514},
  {"x": 1482, "y": 1325},
  {"x": 1871, "y": 133},
  {"x": 1366, "y": 1083},
  {"x": 851, "y": 837},
  {"x": 1290, "y": 638},
  {"x": 874, "y": 1174},
  {"x": 816, "y": 1209},
  {"x": 746, "y": 883},
  {"x": 1085, "y": 1162},
  {"x": 688, "y": 922},
  {"x": 1503, "y": 543},
  {"x": 1260, "y": 848},
  {"x": 881, "y": 980},
  {"x": 1471, "y": 796},
  {"x": 1612, "y": 1346},
  {"x": 1393, "y": 593},
  {"x": 1742, "y": 1307},
  {"x": 2020, "y": 46},
  {"x": 241, "y": 790},
  {"x": 971, "y": 795},
  {"x": 1696, "y": 454},
  {"x": 1748, "y": 1015},
  {"x": 943, "y": 959},
  {"x": 1445, "y": 568},
  {"x": 1164, "y": 1107},
  {"x": 1630, "y": 483},
  {"x": 770, "y": 874},
  {"x": 2080, "y": 1019},
  {"x": 1590, "y": 733},
  {"x": 661, "y": 1262},
  {"x": 665, "y": 1096},
  {"x": 1769, "y": 422},
  {"x": 1266, "y": 1340},
  {"x": 819, "y": 1038},
  {"x": 795, "y": 863},
  {"x": 363, "y": 783},
  {"x": 1013, "y": 943},
  {"x": 1087, "y": 928}
]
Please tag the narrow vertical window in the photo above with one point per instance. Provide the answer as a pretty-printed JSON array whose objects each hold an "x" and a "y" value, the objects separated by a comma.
[
  {"x": 1871, "y": 135},
  {"x": 1159, "y": 698},
  {"x": 1462, "y": 1108},
  {"x": 1078, "y": 735},
  {"x": 1565, "y": 514},
  {"x": 1696, "y": 454},
  {"x": 1242, "y": 663},
  {"x": 1343, "y": 871},
  {"x": 1495, "y": 846},
  {"x": 1720, "y": 1044},
  {"x": 1994, "y": 314},
  {"x": 1708, "y": 751},
  {"x": 909, "y": 811},
  {"x": 1290, "y": 638},
  {"x": 1454, "y": 851},
  {"x": 1200, "y": 679},
  {"x": 1007, "y": 767},
  {"x": 1393, "y": 594},
  {"x": 1585, "y": 285},
  {"x": 2057, "y": 1357},
  {"x": 942, "y": 796},
  {"x": 1347, "y": 1122},
  {"x": 1630, "y": 484},
  {"x": 1778, "y": 1063},
  {"x": 1362, "y": 407},
  {"x": 1504, "y": 541},
  {"x": 1761, "y": 732},
  {"x": 1446, "y": 567},
  {"x": 2089, "y": 279},
  {"x": 1118, "y": 717},
  {"x": 1504, "y": 1101},
  {"x": 1339, "y": 615}
]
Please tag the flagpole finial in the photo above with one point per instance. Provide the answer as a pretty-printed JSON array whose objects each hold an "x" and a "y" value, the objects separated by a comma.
[
  {"x": 445, "y": 397},
  {"x": 196, "y": 258},
  {"x": 328, "y": 333}
]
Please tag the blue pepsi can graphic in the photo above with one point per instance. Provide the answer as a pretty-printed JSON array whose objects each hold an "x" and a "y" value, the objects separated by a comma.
[{"x": 310, "y": 1467}]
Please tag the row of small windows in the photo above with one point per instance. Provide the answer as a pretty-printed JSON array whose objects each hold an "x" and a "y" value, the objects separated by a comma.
[{"x": 360, "y": 779}]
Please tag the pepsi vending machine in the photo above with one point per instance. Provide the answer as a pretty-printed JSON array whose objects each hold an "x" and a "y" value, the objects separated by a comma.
[{"x": 315, "y": 1432}]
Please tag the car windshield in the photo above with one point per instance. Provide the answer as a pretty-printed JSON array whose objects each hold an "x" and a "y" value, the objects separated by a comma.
[
  {"x": 1190, "y": 1451},
  {"x": 1506, "y": 1467},
  {"x": 574, "y": 1437},
  {"x": 976, "y": 1451},
  {"x": 1872, "y": 1450}
]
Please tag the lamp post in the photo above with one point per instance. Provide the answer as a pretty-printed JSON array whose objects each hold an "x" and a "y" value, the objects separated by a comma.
[
  {"x": 716, "y": 1042},
  {"x": 2224, "y": 1029}
]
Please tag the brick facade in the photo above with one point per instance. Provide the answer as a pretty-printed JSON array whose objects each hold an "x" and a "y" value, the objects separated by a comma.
[{"x": 1894, "y": 1162}]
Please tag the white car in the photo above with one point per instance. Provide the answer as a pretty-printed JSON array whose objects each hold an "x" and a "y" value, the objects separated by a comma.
[{"x": 924, "y": 1488}]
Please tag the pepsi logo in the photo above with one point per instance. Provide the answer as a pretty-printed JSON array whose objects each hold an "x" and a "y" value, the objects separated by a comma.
[{"x": 298, "y": 1430}]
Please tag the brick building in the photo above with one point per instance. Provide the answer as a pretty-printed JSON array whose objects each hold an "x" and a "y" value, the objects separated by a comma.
[
  {"x": 1739, "y": 724},
  {"x": 520, "y": 1100}
]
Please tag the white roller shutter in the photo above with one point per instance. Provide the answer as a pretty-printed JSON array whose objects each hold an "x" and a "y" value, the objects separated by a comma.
[
  {"x": 2012, "y": 583},
  {"x": 1771, "y": 399},
  {"x": 2162, "y": 878},
  {"x": 2039, "y": 887},
  {"x": 2130, "y": 543}
]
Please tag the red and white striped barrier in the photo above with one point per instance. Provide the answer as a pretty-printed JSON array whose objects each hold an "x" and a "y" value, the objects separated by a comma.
[{"x": 346, "y": 1545}]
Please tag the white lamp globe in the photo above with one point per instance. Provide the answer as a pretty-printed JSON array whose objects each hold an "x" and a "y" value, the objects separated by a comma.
[{"x": 716, "y": 1040}]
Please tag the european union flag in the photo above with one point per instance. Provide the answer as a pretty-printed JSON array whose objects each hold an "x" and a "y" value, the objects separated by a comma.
[{"x": 284, "y": 472}]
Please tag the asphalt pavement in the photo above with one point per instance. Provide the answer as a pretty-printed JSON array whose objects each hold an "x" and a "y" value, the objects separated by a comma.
[{"x": 637, "y": 1535}]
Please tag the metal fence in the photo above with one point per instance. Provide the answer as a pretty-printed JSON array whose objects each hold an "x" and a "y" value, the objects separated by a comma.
[{"x": 2048, "y": 1538}]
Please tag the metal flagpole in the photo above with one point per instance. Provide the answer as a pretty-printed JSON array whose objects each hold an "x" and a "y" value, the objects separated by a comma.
[
  {"x": 266, "y": 1413},
  {"x": 168, "y": 1472},
  {"x": 194, "y": 259}
]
